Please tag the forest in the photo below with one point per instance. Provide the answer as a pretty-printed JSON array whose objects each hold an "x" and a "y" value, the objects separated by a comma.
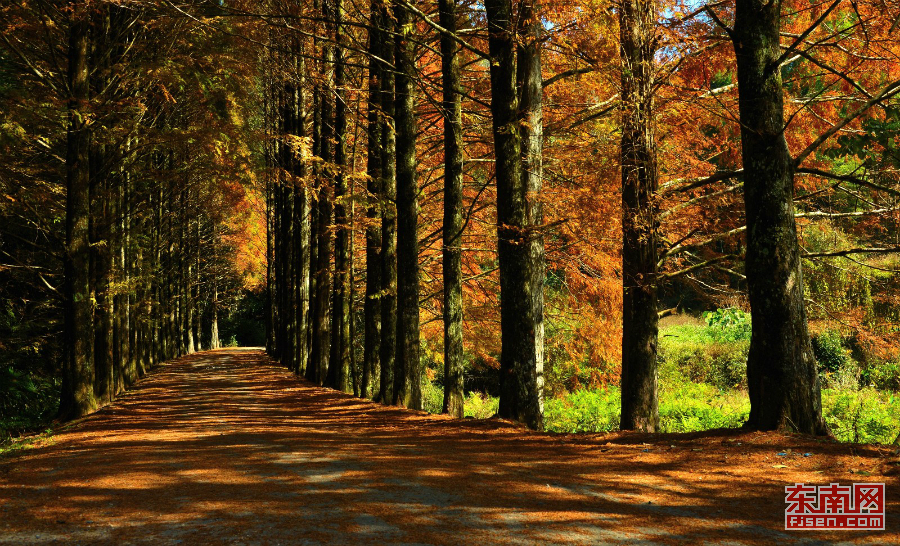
[{"x": 636, "y": 215}]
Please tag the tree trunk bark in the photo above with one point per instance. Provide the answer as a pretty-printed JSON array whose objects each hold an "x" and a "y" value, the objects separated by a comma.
[
  {"x": 214, "y": 342},
  {"x": 640, "y": 406},
  {"x": 374, "y": 129},
  {"x": 302, "y": 226},
  {"x": 313, "y": 368},
  {"x": 286, "y": 302},
  {"x": 322, "y": 321},
  {"x": 270, "y": 220},
  {"x": 783, "y": 382},
  {"x": 101, "y": 271},
  {"x": 341, "y": 323},
  {"x": 454, "y": 395},
  {"x": 521, "y": 325},
  {"x": 388, "y": 223},
  {"x": 408, "y": 373},
  {"x": 195, "y": 289},
  {"x": 77, "y": 397}
]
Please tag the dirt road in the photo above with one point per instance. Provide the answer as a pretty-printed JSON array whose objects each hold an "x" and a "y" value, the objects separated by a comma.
[{"x": 227, "y": 447}]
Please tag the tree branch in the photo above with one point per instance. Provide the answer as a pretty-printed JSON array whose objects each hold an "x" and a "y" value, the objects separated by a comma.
[
  {"x": 563, "y": 75},
  {"x": 693, "y": 183},
  {"x": 804, "y": 34},
  {"x": 695, "y": 267},
  {"x": 848, "y": 178},
  {"x": 889, "y": 91},
  {"x": 853, "y": 251}
]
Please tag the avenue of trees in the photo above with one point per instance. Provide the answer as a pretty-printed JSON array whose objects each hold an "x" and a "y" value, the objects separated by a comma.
[{"x": 415, "y": 183}]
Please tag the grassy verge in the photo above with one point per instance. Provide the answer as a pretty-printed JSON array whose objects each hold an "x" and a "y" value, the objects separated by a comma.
[
  {"x": 702, "y": 378},
  {"x": 10, "y": 446}
]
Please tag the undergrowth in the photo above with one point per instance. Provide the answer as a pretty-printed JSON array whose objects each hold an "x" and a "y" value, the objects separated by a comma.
[{"x": 702, "y": 385}]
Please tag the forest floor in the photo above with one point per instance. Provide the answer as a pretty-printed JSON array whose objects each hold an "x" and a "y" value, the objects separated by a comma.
[{"x": 227, "y": 447}]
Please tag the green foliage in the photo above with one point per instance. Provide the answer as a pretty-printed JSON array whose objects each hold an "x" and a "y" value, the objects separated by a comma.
[
  {"x": 245, "y": 324},
  {"x": 12, "y": 445},
  {"x": 28, "y": 401},
  {"x": 432, "y": 396},
  {"x": 882, "y": 376},
  {"x": 864, "y": 415},
  {"x": 476, "y": 404},
  {"x": 838, "y": 286},
  {"x": 683, "y": 407},
  {"x": 727, "y": 325},
  {"x": 687, "y": 407},
  {"x": 876, "y": 143},
  {"x": 713, "y": 354},
  {"x": 721, "y": 78},
  {"x": 831, "y": 355},
  {"x": 595, "y": 410},
  {"x": 481, "y": 406}
]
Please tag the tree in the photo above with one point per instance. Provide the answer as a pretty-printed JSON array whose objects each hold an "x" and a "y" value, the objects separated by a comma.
[
  {"x": 324, "y": 138},
  {"x": 374, "y": 128},
  {"x": 781, "y": 369},
  {"x": 408, "y": 374},
  {"x": 342, "y": 285},
  {"x": 640, "y": 411},
  {"x": 388, "y": 220},
  {"x": 78, "y": 380},
  {"x": 454, "y": 395},
  {"x": 518, "y": 218}
]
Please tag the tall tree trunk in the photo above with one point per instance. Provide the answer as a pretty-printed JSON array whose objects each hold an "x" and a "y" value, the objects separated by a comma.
[
  {"x": 531, "y": 106},
  {"x": 521, "y": 301},
  {"x": 101, "y": 223},
  {"x": 640, "y": 407},
  {"x": 408, "y": 373},
  {"x": 187, "y": 254},
  {"x": 271, "y": 132},
  {"x": 77, "y": 396},
  {"x": 121, "y": 305},
  {"x": 315, "y": 343},
  {"x": 285, "y": 258},
  {"x": 322, "y": 324},
  {"x": 303, "y": 228},
  {"x": 454, "y": 395},
  {"x": 372, "y": 343},
  {"x": 195, "y": 289},
  {"x": 388, "y": 222},
  {"x": 101, "y": 271},
  {"x": 157, "y": 328},
  {"x": 341, "y": 313},
  {"x": 270, "y": 259},
  {"x": 781, "y": 369},
  {"x": 214, "y": 342},
  {"x": 185, "y": 334}
]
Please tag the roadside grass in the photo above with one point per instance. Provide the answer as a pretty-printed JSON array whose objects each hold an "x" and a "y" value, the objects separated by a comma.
[{"x": 702, "y": 385}]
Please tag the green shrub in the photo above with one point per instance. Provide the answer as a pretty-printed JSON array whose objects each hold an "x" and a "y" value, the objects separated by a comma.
[
  {"x": 481, "y": 406},
  {"x": 28, "y": 401},
  {"x": 700, "y": 354},
  {"x": 432, "y": 396},
  {"x": 594, "y": 410},
  {"x": 865, "y": 416},
  {"x": 476, "y": 404},
  {"x": 846, "y": 378},
  {"x": 830, "y": 352},
  {"x": 728, "y": 325},
  {"x": 683, "y": 407},
  {"x": 688, "y": 407},
  {"x": 882, "y": 375}
]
